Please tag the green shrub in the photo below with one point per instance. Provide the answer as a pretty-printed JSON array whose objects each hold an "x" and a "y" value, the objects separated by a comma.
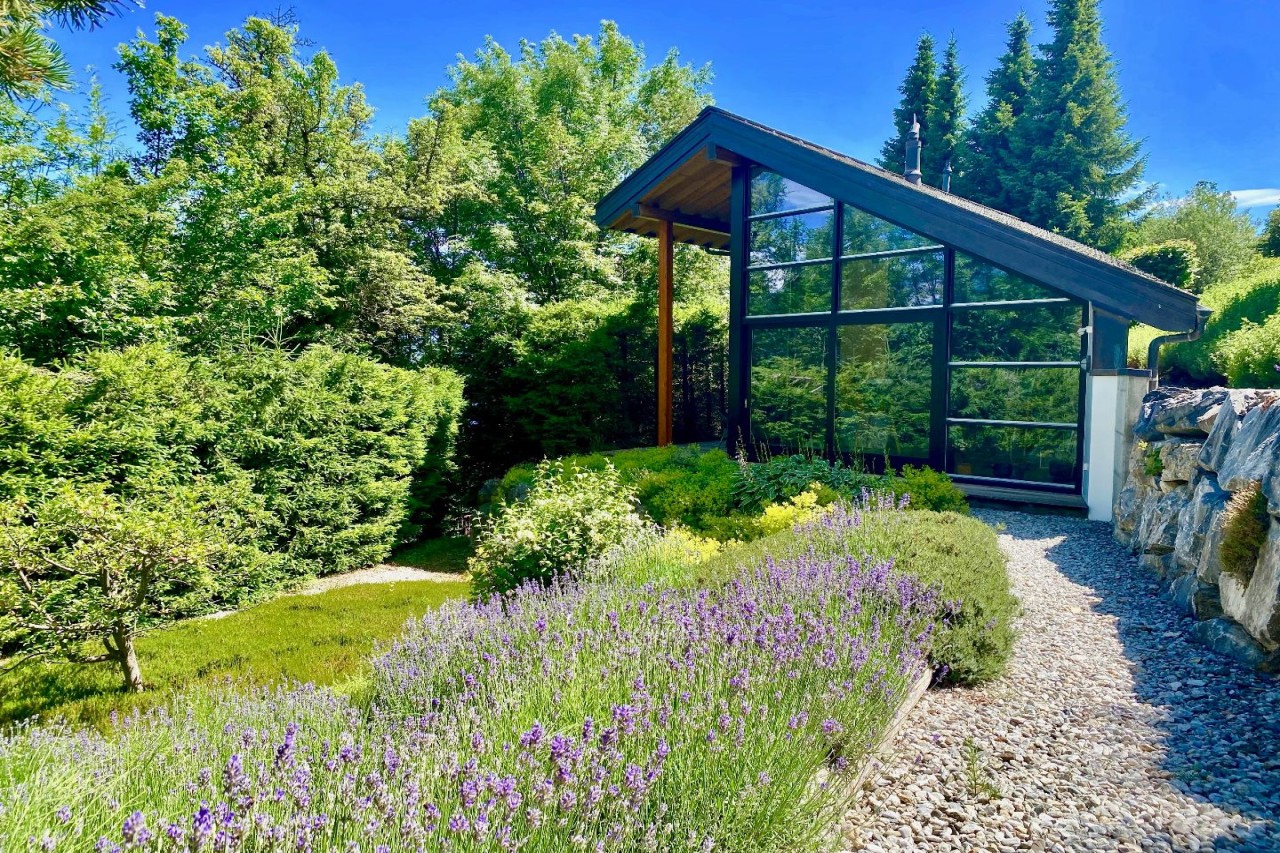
[
  {"x": 930, "y": 489},
  {"x": 674, "y": 484},
  {"x": 781, "y": 478},
  {"x": 1174, "y": 261},
  {"x": 570, "y": 517},
  {"x": 1245, "y": 525},
  {"x": 958, "y": 553},
  {"x": 1238, "y": 341}
]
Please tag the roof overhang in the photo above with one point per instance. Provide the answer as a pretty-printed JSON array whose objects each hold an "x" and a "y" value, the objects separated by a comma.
[{"x": 688, "y": 180}]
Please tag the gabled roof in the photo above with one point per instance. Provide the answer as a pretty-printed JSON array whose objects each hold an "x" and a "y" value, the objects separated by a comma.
[{"x": 688, "y": 180}]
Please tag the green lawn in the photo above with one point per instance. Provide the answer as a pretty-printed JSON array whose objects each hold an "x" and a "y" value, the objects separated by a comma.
[
  {"x": 323, "y": 638},
  {"x": 446, "y": 554}
]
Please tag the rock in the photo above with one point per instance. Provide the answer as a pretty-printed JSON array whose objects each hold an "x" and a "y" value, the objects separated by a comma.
[
  {"x": 1230, "y": 640},
  {"x": 1157, "y": 529},
  {"x": 1256, "y": 605},
  {"x": 1252, "y": 455},
  {"x": 1152, "y": 404},
  {"x": 1187, "y": 412},
  {"x": 1179, "y": 460},
  {"x": 1195, "y": 598},
  {"x": 1124, "y": 515},
  {"x": 1199, "y": 529},
  {"x": 1160, "y": 564},
  {"x": 1224, "y": 430}
]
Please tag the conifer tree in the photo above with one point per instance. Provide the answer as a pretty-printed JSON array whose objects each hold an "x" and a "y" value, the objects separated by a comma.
[
  {"x": 919, "y": 89},
  {"x": 1074, "y": 155},
  {"x": 987, "y": 163},
  {"x": 945, "y": 119}
]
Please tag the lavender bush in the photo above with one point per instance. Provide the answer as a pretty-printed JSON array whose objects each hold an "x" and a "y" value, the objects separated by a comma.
[{"x": 604, "y": 716}]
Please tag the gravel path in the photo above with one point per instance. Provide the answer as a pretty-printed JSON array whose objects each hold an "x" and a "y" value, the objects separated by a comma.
[
  {"x": 375, "y": 574},
  {"x": 1113, "y": 729}
]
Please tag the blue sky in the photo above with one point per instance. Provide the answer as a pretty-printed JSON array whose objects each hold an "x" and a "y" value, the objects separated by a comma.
[{"x": 1200, "y": 77}]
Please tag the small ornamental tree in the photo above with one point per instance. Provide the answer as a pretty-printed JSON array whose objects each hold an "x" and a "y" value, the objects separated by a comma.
[{"x": 85, "y": 567}]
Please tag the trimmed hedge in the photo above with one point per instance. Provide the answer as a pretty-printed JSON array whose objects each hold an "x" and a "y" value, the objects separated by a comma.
[
  {"x": 959, "y": 553},
  {"x": 329, "y": 459}
]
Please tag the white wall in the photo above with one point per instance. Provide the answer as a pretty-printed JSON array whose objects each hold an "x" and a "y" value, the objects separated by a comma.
[{"x": 1111, "y": 409}]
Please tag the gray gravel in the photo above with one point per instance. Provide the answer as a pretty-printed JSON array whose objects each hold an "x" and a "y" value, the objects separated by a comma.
[{"x": 1112, "y": 730}]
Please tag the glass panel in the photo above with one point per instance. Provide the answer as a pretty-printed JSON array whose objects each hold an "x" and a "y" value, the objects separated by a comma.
[
  {"x": 892, "y": 282},
  {"x": 883, "y": 389},
  {"x": 1013, "y": 453},
  {"x": 1040, "y": 394},
  {"x": 1028, "y": 333},
  {"x": 788, "y": 388},
  {"x": 790, "y": 290},
  {"x": 978, "y": 281},
  {"x": 806, "y": 236},
  {"x": 866, "y": 233},
  {"x": 772, "y": 193}
]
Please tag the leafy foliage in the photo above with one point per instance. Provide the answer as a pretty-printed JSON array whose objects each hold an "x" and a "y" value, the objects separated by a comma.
[
  {"x": 1051, "y": 147},
  {"x": 958, "y": 554},
  {"x": 783, "y": 477},
  {"x": 1269, "y": 245},
  {"x": 86, "y": 566},
  {"x": 1224, "y": 236},
  {"x": 308, "y": 464},
  {"x": 947, "y": 119},
  {"x": 930, "y": 489},
  {"x": 1240, "y": 340},
  {"x": 570, "y": 517},
  {"x": 1174, "y": 261}
]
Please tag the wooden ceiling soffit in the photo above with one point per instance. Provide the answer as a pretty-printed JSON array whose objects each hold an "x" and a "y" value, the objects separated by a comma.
[{"x": 693, "y": 223}]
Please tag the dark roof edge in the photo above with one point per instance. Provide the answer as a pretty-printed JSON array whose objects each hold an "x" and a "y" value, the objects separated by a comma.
[{"x": 1061, "y": 263}]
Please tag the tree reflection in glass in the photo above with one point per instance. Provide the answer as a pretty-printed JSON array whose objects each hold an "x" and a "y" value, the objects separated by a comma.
[
  {"x": 788, "y": 388},
  {"x": 883, "y": 389}
]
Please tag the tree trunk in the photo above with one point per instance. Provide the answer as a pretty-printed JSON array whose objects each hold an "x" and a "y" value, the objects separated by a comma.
[{"x": 127, "y": 657}]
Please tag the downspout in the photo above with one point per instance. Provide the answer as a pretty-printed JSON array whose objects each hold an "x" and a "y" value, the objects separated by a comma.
[{"x": 1153, "y": 351}]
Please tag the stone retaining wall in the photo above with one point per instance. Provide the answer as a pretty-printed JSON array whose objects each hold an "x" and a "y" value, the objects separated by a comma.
[{"x": 1195, "y": 449}]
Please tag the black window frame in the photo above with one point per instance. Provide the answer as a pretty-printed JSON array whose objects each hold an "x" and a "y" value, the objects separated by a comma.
[{"x": 942, "y": 315}]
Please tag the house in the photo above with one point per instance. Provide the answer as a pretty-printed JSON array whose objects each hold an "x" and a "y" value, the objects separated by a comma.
[{"x": 875, "y": 318}]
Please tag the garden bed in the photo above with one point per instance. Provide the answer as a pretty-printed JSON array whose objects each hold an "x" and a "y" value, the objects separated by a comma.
[{"x": 675, "y": 693}]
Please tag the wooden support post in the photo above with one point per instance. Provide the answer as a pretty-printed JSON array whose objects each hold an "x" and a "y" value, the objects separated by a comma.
[{"x": 666, "y": 263}]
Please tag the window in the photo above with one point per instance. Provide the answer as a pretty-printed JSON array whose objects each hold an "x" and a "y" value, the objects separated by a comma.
[
  {"x": 892, "y": 281},
  {"x": 860, "y": 344},
  {"x": 1015, "y": 367},
  {"x": 789, "y": 388},
  {"x": 791, "y": 233},
  {"x": 884, "y": 390}
]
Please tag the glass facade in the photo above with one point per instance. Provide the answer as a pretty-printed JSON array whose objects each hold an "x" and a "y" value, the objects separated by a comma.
[{"x": 897, "y": 349}]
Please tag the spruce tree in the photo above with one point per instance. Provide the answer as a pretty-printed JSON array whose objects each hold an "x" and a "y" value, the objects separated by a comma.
[
  {"x": 919, "y": 90},
  {"x": 986, "y": 171},
  {"x": 945, "y": 119},
  {"x": 1073, "y": 152}
]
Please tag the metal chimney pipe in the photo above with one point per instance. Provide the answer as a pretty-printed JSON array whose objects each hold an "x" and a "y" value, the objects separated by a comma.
[
  {"x": 946, "y": 176},
  {"x": 913, "y": 173}
]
